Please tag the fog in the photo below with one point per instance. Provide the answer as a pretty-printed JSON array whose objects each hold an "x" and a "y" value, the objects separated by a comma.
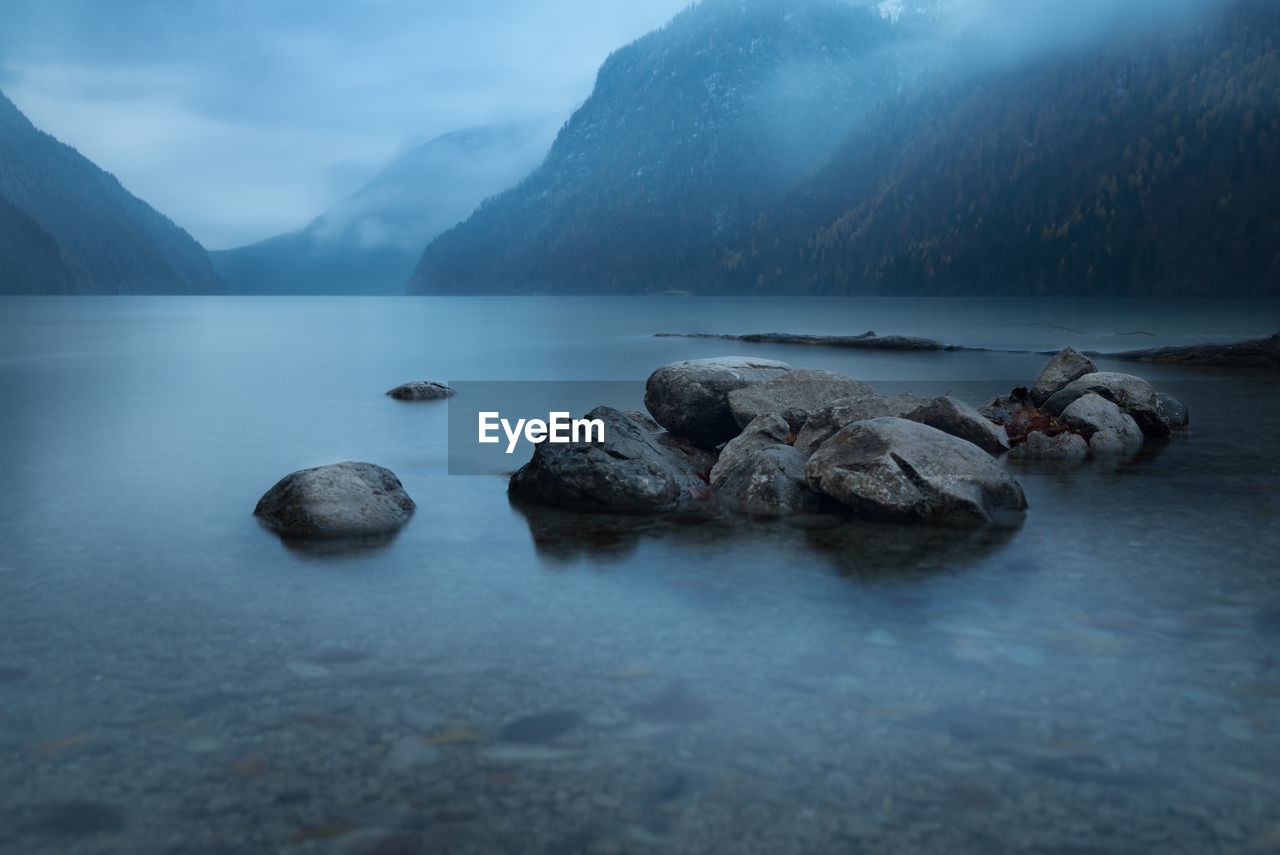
[{"x": 241, "y": 120}]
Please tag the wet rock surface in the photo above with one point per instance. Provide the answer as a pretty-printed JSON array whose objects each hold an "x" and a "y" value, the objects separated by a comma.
[
  {"x": 957, "y": 418},
  {"x": 794, "y": 396},
  {"x": 635, "y": 469},
  {"x": 1133, "y": 395},
  {"x": 421, "y": 390},
  {"x": 898, "y": 469},
  {"x": 340, "y": 500},
  {"x": 762, "y": 473},
  {"x": 1063, "y": 447},
  {"x": 1066, "y": 365},
  {"x": 825, "y": 423},
  {"x": 1108, "y": 430},
  {"x": 691, "y": 398}
]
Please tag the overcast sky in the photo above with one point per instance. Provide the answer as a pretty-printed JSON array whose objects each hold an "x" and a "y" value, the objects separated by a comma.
[{"x": 243, "y": 119}]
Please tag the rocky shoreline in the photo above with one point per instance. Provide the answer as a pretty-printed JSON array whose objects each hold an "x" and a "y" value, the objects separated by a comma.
[{"x": 1253, "y": 353}]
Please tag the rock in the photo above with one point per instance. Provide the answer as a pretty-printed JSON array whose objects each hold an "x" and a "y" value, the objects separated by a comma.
[
  {"x": 691, "y": 398},
  {"x": 794, "y": 396},
  {"x": 825, "y": 423},
  {"x": 1067, "y": 447},
  {"x": 1066, "y": 365},
  {"x": 897, "y": 469},
  {"x": 761, "y": 473},
  {"x": 338, "y": 500},
  {"x": 1172, "y": 410},
  {"x": 1255, "y": 353},
  {"x": 1001, "y": 409},
  {"x": 1109, "y": 431},
  {"x": 421, "y": 390},
  {"x": 635, "y": 469},
  {"x": 1131, "y": 394},
  {"x": 959, "y": 419}
]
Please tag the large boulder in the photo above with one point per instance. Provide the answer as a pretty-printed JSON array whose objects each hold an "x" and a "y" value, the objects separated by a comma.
[
  {"x": 897, "y": 469},
  {"x": 691, "y": 398},
  {"x": 761, "y": 473},
  {"x": 794, "y": 396},
  {"x": 1131, "y": 394},
  {"x": 634, "y": 470},
  {"x": 1066, "y": 365},
  {"x": 828, "y": 421},
  {"x": 338, "y": 500},
  {"x": 959, "y": 419},
  {"x": 1062, "y": 447},
  {"x": 420, "y": 390}
]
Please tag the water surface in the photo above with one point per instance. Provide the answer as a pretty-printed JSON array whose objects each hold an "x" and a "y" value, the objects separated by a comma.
[{"x": 175, "y": 679}]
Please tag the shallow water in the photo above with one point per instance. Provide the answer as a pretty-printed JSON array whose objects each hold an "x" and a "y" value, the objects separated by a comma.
[{"x": 175, "y": 679}]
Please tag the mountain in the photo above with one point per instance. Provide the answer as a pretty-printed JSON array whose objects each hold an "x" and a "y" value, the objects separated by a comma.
[
  {"x": 688, "y": 133},
  {"x": 1141, "y": 160},
  {"x": 369, "y": 243},
  {"x": 68, "y": 227},
  {"x": 1149, "y": 165}
]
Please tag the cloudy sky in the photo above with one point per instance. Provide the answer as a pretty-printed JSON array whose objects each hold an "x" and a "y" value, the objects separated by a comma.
[{"x": 241, "y": 119}]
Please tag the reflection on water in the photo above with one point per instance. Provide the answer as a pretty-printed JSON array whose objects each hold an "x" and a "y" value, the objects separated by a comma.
[{"x": 497, "y": 679}]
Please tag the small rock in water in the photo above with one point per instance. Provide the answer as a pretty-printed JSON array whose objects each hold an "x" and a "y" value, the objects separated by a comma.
[
  {"x": 542, "y": 727},
  {"x": 421, "y": 390},
  {"x": 337, "y": 500}
]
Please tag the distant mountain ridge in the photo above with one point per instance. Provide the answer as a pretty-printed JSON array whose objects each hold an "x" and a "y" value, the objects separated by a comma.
[
  {"x": 1144, "y": 165},
  {"x": 688, "y": 133},
  {"x": 369, "y": 242},
  {"x": 68, "y": 227}
]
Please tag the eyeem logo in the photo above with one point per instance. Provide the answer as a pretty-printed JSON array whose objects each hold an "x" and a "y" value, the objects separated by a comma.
[
  {"x": 496, "y": 425},
  {"x": 558, "y": 427}
]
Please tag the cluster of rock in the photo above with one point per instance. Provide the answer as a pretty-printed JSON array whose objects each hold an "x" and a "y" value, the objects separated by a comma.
[
  {"x": 1073, "y": 410},
  {"x": 768, "y": 439},
  {"x": 773, "y": 440}
]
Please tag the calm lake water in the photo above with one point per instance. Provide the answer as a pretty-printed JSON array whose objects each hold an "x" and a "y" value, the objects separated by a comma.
[{"x": 173, "y": 679}]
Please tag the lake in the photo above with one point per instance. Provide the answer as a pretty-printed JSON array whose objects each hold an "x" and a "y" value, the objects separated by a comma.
[{"x": 175, "y": 679}]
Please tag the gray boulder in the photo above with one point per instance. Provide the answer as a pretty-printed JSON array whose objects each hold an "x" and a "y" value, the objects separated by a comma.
[
  {"x": 1108, "y": 430},
  {"x": 1172, "y": 410},
  {"x": 420, "y": 390},
  {"x": 828, "y": 421},
  {"x": 794, "y": 396},
  {"x": 761, "y": 473},
  {"x": 338, "y": 500},
  {"x": 635, "y": 469},
  {"x": 691, "y": 398},
  {"x": 1065, "y": 447},
  {"x": 897, "y": 469},
  {"x": 1131, "y": 394},
  {"x": 959, "y": 419},
  {"x": 1066, "y": 365}
]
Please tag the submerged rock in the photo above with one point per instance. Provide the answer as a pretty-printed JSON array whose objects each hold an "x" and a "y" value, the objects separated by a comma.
[
  {"x": 421, "y": 390},
  {"x": 897, "y": 469},
  {"x": 338, "y": 500},
  {"x": 961, "y": 420},
  {"x": 794, "y": 396},
  {"x": 1131, "y": 394},
  {"x": 635, "y": 469},
  {"x": 1065, "y": 447},
  {"x": 691, "y": 398},
  {"x": 828, "y": 421},
  {"x": 1066, "y": 365},
  {"x": 761, "y": 473}
]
